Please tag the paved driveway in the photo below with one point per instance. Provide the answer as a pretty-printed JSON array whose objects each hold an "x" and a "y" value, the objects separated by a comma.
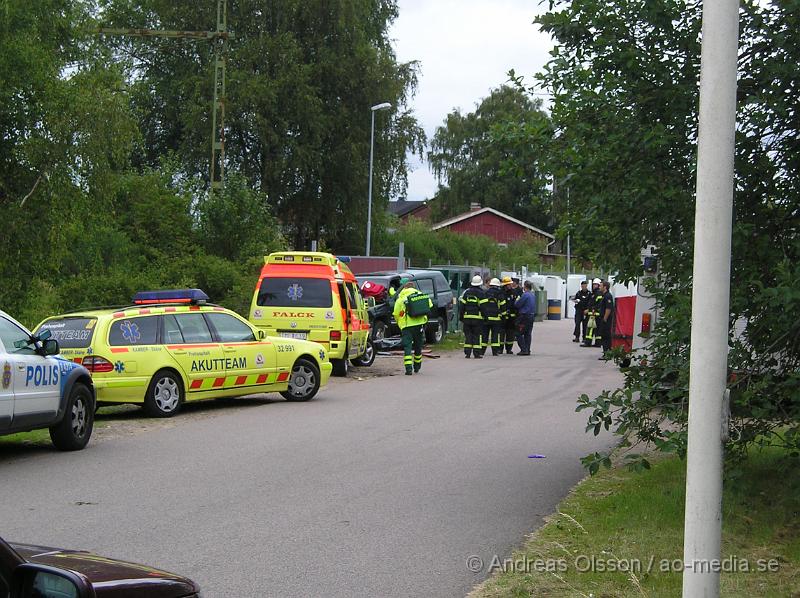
[{"x": 379, "y": 487}]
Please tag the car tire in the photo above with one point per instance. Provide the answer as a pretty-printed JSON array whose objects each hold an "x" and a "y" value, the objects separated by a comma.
[
  {"x": 164, "y": 396},
  {"x": 340, "y": 366},
  {"x": 368, "y": 357},
  {"x": 379, "y": 330},
  {"x": 303, "y": 381},
  {"x": 72, "y": 433},
  {"x": 436, "y": 336}
]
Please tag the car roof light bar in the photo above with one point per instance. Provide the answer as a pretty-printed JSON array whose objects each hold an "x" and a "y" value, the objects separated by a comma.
[{"x": 187, "y": 296}]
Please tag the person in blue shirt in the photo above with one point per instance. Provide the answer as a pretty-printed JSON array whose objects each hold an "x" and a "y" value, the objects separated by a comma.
[{"x": 526, "y": 311}]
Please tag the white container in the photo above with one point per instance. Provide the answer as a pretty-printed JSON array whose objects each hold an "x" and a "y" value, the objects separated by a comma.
[
  {"x": 537, "y": 280},
  {"x": 555, "y": 287},
  {"x": 573, "y": 286}
]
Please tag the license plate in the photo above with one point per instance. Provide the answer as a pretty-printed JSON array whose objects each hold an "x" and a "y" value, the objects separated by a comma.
[{"x": 298, "y": 335}]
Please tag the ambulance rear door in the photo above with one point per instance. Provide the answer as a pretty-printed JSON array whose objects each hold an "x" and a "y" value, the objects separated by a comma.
[{"x": 292, "y": 306}]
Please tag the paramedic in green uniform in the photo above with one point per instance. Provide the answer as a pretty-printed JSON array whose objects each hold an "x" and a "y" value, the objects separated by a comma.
[{"x": 411, "y": 328}]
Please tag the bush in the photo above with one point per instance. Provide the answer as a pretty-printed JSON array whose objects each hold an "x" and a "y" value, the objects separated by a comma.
[{"x": 423, "y": 245}]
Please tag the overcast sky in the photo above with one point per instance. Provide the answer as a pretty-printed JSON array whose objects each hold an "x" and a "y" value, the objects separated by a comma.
[{"x": 466, "y": 48}]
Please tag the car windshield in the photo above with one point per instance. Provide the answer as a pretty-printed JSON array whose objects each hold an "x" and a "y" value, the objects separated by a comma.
[
  {"x": 295, "y": 292},
  {"x": 71, "y": 333}
]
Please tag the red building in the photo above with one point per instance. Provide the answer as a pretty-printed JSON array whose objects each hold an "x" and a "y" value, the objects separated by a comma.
[{"x": 494, "y": 224}]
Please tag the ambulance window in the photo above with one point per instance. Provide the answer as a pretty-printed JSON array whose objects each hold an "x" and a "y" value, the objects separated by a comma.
[
  {"x": 71, "y": 333},
  {"x": 295, "y": 292},
  {"x": 229, "y": 329},
  {"x": 425, "y": 285},
  {"x": 11, "y": 334},
  {"x": 193, "y": 328},
  {"x": 172, "y": 333},
  {"x": 133, "y": 331}
]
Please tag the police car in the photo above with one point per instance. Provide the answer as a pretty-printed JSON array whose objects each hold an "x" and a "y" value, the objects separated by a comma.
[
  {"x": 173, "y": 346},
  {"x": 39, "y": 389}
]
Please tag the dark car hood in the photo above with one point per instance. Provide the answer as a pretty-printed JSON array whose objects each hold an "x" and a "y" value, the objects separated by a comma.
[{"x": 109, "y": 576}]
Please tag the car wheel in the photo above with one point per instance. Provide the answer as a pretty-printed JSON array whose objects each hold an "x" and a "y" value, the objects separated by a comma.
[
  {"x": 368, "y": 357},
  {"x": 340, "y": 366},
  {"x": 379, "y": 330},
  {"x": 436, "y": 336},
  {"x": 72, "y": 433},
  {"x": 304, "y": 381},
  {"x": 164, "y": 395}
]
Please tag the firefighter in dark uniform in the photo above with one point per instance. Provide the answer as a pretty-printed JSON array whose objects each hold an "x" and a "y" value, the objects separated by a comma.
[
  {"x": 495, "y": 310},
  {"x": 581, "y": 305},
  {"x": 606, "y": 324},
  {"x": 513, "y": 292},
  {"x": 471, "y": 314},
  {"x": 592, "y": 316}
]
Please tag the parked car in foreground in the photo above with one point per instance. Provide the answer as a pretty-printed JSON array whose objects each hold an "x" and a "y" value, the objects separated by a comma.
[
  {"x": 174, "y": 346},
  {"x": 40, "y": 389},
  {"x": 431, "y": 282},
  {"x": 40, "y": 572}
]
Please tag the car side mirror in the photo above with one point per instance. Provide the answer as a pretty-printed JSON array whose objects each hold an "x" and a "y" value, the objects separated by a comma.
[
  {"x": 51, "y": 347},
  {"x": 40, "y": 581},
  {"x": 261, "y": 335},
  {"x": 44, "y": 335}
]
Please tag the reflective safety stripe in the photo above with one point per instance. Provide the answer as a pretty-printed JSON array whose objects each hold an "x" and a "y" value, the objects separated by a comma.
[{"x": 213, "y": 383}]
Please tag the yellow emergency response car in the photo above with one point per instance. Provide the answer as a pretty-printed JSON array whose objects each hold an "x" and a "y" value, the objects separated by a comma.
[
  {"x": 172, "y": 346},
  {"x": 314, "y": 296}
]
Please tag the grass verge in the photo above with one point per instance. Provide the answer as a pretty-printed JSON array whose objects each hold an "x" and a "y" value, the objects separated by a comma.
[
  {"x": 633, "y": 522},
  {"x": 450, "y": 342},
  {"x": 41, "y": 437}
]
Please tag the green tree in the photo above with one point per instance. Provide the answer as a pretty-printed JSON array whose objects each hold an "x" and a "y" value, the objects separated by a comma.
[
  {"x": 495, "y": 156},
  {"x": 624, "y": 81},
  {"x": 302, "y": 76},
  {"x": 88, "y": 220},
  {"x": 65, "y": 134},
  {"x": 237, "y": 223}
]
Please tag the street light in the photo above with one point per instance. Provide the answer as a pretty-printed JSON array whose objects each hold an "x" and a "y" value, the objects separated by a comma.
[{"x": 374, "y": 109}]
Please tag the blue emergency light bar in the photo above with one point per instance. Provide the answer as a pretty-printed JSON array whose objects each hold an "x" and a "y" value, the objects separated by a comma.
[
  {"x": 191, "y": 296},
  {"x": 344, "y": 259}
]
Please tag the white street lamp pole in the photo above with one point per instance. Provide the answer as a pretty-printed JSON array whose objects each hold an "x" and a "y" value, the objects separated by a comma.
[
  {"x": 710, "y": 299},
  {"x": 569, "y": 257},
  {"x": 371, "y": 151}
]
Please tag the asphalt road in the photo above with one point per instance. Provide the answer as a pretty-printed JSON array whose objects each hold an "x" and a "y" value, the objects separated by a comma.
[{"x": 379, "y": 487}]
